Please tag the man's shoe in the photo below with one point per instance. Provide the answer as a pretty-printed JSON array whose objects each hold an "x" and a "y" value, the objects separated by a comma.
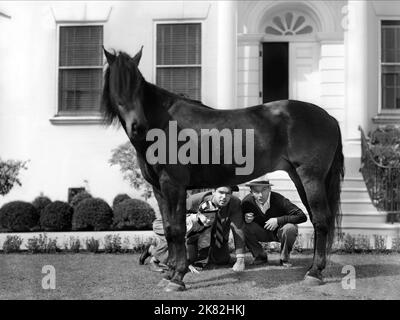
[
  {"x": 260, "y": 260},
  {"x": 155, "y": 267},
  {"x": 285, "y": 264},
  {"x": 145, "y": 254}
]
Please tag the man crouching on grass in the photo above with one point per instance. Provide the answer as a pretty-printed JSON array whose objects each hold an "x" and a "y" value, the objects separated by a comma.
[
  {"x": 270, "y": 217},
  {"x": 228, "y": 217}
]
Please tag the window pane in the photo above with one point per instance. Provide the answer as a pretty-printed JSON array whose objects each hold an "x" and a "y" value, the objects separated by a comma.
[
  {"x": 391, "y": 87},
  {"x": 81, "y": 46},
  {"x": 80, "y": 89},
  {"x": 178, "y": 44},
  {"x": 390, "y": 41},
  {"x": 185, "y": 81}
]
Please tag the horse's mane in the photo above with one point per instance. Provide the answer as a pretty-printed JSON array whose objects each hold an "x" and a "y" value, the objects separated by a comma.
[
  {"x": 107, "y": 109},
  {"x": 123, "y": 62}
]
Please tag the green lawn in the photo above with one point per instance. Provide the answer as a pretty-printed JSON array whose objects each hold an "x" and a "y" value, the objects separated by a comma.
[{"x": 118, "y": 276}]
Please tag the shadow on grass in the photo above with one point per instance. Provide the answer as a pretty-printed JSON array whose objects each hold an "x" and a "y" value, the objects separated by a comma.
[{"x": 272, "y": 275}]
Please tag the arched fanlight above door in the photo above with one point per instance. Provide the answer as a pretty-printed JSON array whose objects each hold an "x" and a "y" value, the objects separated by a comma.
[{"x": 289, "y": 24}]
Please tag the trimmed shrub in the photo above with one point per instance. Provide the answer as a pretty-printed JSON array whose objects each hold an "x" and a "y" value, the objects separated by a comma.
[
  {"x": 396, "y": 244},
  {"x": 40, "y": 203},
  {"x": 362, "y": 244},
  {"x": 120, "y": 198},
  {"x": 92, "y": 245},
  {"x": 139, "y": 244},
  {"x": 57, "y": 216},
  {"x": 92, "y": 214},
  {"x": 125, "y": 245},
  {"x": 42, "y": 245},
  {"x": 349, "y": 243},
  {"x": 12, "y": 244},
  {"x": 112, "y": 243},
  {"x": 133, "y": 214},
  {"x": 79, "y": 197},
  {"x": 18, "y": 216},
  {"x": 74, "y": 245},
  {"x": 380, "y": 243}
]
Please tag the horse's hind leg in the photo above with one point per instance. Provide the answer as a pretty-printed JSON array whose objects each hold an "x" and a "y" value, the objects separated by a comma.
[
  {"x": 300, "y": 188},
  {"x": 314, "y": 188}
]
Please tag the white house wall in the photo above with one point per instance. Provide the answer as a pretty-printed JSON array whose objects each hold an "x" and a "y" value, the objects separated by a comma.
[{"x": 60, "y": 155}]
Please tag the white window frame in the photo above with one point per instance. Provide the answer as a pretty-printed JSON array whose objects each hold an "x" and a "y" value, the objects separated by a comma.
[
  {"x": 182, "y": 21},
  {"x": 381, "y": 110},
  {"x": 96, "y": 116}
]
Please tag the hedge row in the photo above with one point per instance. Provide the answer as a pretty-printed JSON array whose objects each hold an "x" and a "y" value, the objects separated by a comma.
[
  {"x": 44, "y": 244},
  {"x": 83, "y": 213}
]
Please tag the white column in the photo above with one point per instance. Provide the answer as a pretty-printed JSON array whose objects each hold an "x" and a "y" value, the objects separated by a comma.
[
  {"x": 356, "y": 71},
  {"x": 227, "y": 54}
]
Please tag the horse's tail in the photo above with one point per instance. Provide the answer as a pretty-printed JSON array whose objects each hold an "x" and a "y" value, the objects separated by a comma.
[{"x": 333, "y": 184}]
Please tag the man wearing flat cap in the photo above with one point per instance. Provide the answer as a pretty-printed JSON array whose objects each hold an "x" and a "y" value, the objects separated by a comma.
[
  {"x": 269, "y": 217},
  {"x": 229, "y": 217}
]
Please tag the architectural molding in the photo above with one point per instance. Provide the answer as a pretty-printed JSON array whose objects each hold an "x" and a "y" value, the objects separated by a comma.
[
  {"x": 330, "y": 36},
  {"x": 197, "y": 10},
  {"x": 78, "y": 120},
  {"x": 321, "y": 13},
  {"x": 386, "y": 119},
  {"x": 82, "y": 12},
  {"x": 2, "y": 14}
]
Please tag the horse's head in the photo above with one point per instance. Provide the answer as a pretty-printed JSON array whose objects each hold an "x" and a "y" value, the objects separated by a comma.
[{"x": 122, "y": 93}]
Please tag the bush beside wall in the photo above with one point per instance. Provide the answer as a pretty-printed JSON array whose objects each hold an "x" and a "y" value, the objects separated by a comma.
[
  {"x": 18, "y": 216},
  {"x": 133, "y": 214},
  {"x": 57, "y": 216},
  {"x": 92, "y": 214}
]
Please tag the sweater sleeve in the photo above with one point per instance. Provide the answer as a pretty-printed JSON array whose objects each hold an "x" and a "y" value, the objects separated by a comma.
[{"x": 290, "y": 212}]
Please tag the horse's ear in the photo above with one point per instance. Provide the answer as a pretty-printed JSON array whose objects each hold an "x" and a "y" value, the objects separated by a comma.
[
  {"x": 110, "y": 57},
  {"x": 138, "y": 56}
]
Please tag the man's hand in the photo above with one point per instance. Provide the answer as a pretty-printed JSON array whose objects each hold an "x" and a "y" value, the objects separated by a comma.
[
  {"x": 271, "y": 224},
  {"x": 193, "y": 269},
  {"x": 239, "y": 264},
  {"x": 248, "y": 217}
]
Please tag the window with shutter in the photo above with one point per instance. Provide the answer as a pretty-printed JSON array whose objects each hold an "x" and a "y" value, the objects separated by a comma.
[
  {"x": 390, "y": 65},
  {"x": 178, "y": 62},
  {"x": 80, "y": 70}
]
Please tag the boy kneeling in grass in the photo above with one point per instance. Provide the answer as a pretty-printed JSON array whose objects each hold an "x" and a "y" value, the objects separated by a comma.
[{"x": 198, "y": 239}]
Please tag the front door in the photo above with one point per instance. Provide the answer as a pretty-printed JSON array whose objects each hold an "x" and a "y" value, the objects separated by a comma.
[
  {"x": 290, "y": 71},
  {"x": 275, "y": 62}
]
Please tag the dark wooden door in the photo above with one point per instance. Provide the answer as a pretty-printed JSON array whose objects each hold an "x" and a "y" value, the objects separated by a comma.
[{"x": 275, "y": 57}]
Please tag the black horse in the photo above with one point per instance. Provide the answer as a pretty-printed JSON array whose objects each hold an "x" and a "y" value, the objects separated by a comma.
[{"x": 298, "y": 137}]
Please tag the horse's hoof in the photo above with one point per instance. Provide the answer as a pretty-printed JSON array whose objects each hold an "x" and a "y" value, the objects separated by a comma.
[
  {"x": 310, "y": 281},
  {"x": 163, "y": 283},
  {"x": 174, "y": 287}
]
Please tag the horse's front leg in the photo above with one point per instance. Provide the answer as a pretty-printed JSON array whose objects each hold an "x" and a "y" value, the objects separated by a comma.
[{"x": 172, "y": 201}]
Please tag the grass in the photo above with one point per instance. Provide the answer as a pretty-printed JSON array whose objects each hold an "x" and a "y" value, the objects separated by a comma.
[{"x": 118, "y": 276}]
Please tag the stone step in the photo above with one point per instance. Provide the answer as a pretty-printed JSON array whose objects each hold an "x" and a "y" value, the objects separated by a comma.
[
  {"x": 292, "y": 194},
  {"x": 285, "y": 182},
  {"x": 385, "y": 229},
  {"x": 349, "y": 205},
  {"x": 370, "y": 219}
]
